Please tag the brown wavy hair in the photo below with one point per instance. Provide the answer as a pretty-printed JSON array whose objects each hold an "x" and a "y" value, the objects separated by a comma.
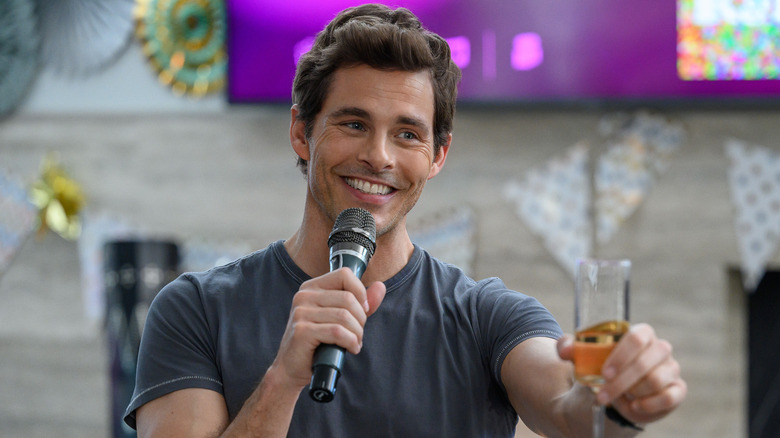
[{"x": 381, "y": 38}]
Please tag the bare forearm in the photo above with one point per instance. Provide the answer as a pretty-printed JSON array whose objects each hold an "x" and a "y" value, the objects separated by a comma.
[
  {"x": 268, "y": 411},
  {"x": 544, "y": 393}
]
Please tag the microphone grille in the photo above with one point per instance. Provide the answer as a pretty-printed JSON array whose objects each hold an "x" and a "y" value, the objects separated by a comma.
[{"x": 354, "y": 225}]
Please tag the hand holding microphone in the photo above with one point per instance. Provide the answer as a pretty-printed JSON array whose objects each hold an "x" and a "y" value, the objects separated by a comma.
[
  {"x": 352, "y": 243},
  {"x": 318, "y": 318}
]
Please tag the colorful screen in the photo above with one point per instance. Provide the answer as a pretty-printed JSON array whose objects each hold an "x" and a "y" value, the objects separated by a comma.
[
  {"x": 538, "y": 50},
  {"x": 728, "y": 39}
]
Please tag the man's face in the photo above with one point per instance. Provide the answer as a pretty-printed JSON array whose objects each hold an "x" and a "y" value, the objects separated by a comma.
[{"x": 372, "y": 144}]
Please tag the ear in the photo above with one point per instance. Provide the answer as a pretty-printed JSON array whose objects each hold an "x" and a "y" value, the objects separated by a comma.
[
  {"x": 438, "y": 160},
  {"x": 297, "y": 134}
]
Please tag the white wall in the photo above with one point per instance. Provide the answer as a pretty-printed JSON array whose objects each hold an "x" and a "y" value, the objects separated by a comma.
[{"x": 128, "y": 85}]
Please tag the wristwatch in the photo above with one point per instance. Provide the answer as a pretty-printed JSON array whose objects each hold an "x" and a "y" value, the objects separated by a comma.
[{"x": 615, "y": 416}]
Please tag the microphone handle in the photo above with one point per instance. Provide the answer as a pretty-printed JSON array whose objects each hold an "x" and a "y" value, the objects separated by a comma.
[
  {"x": 328, "y": 359},
  {"x": 348, "y": 257},
  {"x": 326, "y": 370}
]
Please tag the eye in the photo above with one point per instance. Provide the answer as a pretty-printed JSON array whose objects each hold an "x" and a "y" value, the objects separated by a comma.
[
  {"x": 409, "y": 135},
  {"x": 355, "y": 125}
]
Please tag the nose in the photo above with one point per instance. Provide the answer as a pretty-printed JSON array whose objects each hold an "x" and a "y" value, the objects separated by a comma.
[{"x": 377, "y": 153}]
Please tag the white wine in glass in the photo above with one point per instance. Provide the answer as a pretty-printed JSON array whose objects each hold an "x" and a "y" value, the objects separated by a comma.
[
  {"x": 592, "y": 346},
  {"x": 601, "y": 319}
]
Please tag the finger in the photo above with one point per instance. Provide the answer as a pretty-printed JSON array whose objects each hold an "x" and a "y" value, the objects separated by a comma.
[
  {"x": 375, "y": 294},
  {"x": 645, "y": 362},
  {"x": 335, "y": 334},
  {"x": 661, "y": 376},
  {"x": 655, "y": 407},
  {"x": 566, "y": 347},
  {"x": 632, "y": 344},
  {"x": 661, "y": 402},
  {"x": 329, "y": 299},
  {"x": 327, "y": 316},
  {"x": 340, "y": 279}
]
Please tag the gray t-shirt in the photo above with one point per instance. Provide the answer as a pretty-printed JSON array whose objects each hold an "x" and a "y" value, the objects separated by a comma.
[{"x": 430, "y": 363}]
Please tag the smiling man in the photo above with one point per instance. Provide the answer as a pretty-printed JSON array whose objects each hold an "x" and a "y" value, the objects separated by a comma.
[{"x": 434, "y": 353}]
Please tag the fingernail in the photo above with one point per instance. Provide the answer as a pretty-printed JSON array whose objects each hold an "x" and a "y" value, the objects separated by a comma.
[
  {"x": 602, "y": 397},
  {"x": 365, "y": 305},
  {"x": 608, "y": 372}
]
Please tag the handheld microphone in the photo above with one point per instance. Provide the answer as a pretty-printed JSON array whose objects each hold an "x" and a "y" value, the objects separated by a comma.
[{"x": 352, "y": 243}]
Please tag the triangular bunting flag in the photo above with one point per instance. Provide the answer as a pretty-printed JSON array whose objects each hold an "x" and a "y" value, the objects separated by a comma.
[
  {"x": 625, "y": 173},
  {"x": 449, "y": 235},
  {"x": 621, "y": 182},
  {"x": 553, "y": 200},
  {"x": 754, "y": 176}
]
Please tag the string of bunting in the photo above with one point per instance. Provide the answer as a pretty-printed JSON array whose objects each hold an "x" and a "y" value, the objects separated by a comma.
[{"x": 554, "y": 200}]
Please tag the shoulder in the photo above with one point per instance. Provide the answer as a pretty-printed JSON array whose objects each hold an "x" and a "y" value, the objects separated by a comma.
[
  {"x": 234, "y": 272},
  {"x": 445, "y": 275},
  {"x": 194, "y": 291},
  {"x": 451, "y": 281}
]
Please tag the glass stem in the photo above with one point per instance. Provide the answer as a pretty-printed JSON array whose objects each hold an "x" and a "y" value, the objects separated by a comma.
[{"x": 598, "y": 420}]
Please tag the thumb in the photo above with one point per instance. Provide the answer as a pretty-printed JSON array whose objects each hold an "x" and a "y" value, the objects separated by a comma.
[
  {"x": 375, "y": 294},
  {"x": 566, "y": 347}
]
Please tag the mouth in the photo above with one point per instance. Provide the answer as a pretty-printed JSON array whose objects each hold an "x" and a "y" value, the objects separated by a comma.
[{"x": 368, "y": 187}]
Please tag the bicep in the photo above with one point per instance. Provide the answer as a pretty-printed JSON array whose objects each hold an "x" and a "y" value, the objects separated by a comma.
[
  {"x": 536, "y": 379},
  {"x": 191, "y": 412}
]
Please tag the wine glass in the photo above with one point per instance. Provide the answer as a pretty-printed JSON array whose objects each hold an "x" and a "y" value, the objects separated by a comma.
[{"x": 600, "y": 319}]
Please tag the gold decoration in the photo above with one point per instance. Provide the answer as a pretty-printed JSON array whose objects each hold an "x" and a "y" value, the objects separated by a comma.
[{"x": 59, "y": 200}]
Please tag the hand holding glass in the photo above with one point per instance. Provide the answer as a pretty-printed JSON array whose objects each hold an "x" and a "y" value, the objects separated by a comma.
[{"x": 601, "y": 318}]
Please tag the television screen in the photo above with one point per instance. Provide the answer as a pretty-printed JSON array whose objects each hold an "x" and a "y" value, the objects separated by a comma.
[
  {"x": 541, "y": 50},
  {"x": 728, "y": 40}
]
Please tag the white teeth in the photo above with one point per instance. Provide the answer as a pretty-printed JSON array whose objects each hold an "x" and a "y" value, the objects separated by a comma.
[{"x": 367, "y": 187}]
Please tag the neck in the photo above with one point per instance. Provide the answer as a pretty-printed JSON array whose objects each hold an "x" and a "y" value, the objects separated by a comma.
[{"x": 308, "y": 248}]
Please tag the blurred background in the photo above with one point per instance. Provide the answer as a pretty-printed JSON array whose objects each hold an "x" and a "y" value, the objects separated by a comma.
[{"x": 143, "y": 138}]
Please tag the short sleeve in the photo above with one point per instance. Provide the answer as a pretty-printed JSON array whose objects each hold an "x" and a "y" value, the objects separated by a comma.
[
  {"x": 177, "y": 347},
  {"x": 507, "y": 318}
]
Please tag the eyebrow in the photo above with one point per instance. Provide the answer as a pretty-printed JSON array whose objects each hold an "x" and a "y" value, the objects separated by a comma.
[
  {"x": 413, "y": 121},
  {"x": 359, "y": 112},
  {"x": 351, "y": 111}
]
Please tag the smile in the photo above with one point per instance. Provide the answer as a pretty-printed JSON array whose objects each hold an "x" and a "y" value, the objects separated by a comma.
[{"x": 367, "y": 187}]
